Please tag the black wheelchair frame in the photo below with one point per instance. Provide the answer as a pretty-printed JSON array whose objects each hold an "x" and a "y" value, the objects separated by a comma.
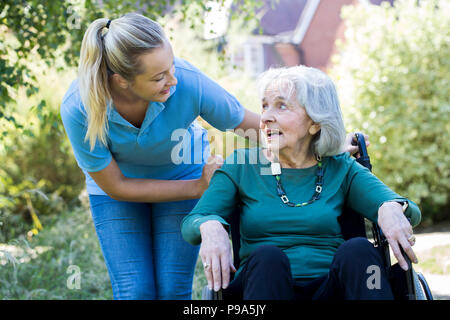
[{"x": 406, "y": 285}]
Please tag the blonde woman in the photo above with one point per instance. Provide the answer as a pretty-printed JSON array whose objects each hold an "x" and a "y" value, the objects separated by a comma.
[
  {"x": 123, "y": 116},
  {"x": 131, "y": 95}
]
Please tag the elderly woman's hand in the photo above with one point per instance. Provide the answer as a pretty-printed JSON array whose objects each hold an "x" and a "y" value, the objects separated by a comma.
[
  {"x": 216, "y": 254},
  {"x": 348, "y": 147},
  {"x": 398, "y": 231}
]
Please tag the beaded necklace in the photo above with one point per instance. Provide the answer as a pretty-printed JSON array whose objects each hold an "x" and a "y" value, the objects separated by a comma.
[{"x": 276, "y": 171}]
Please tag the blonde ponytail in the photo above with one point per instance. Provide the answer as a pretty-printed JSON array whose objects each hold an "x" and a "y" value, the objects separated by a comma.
[
  {"x": 107, "y": 51},
  {"x": 93, "y": 82}
]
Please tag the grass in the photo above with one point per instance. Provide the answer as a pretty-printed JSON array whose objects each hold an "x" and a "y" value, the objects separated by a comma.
[
  {"x": 38, "y": 269},
  {"x": 435, "y": 261},
  {"x": 41, "y": 268},
  {"x": 199, "y": 281}
]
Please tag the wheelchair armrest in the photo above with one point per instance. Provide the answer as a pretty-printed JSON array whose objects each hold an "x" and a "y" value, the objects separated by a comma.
[
  {"x": 210, "y": 294},
  {"x": 383, "y": 244}
]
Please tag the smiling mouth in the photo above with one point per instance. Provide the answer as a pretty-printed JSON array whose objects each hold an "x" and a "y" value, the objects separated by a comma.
[{"x": 271, "y": 133}]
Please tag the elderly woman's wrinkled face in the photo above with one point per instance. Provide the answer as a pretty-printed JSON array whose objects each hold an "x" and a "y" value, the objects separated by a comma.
[{"x": 284, "y": 122}]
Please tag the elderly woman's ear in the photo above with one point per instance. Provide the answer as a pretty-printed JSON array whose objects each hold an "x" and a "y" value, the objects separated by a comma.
[{"x": 314, "y": 129}]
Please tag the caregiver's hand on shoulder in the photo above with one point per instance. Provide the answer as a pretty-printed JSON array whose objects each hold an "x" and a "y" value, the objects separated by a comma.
[
  {"x": 213, "y": 163},
  {"x": 216, "y": 254},
  {"x": 348, "y": 147},
  {"x": 398, "y": 231}
]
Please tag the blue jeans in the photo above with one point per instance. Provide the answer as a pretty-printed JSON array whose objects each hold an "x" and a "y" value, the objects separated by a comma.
[{"x": 144, "y": 252}]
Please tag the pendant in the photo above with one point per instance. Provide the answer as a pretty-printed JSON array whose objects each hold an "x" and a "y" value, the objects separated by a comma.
[{"x": 276, "y": 168}]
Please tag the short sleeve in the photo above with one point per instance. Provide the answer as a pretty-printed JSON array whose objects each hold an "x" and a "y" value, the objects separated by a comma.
[
  {"x": 74, "y": 121},
  {"x": 218, "y": 107}
]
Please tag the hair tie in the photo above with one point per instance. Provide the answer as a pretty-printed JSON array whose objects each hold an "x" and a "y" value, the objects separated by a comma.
[{"x": 107, "y": 24}]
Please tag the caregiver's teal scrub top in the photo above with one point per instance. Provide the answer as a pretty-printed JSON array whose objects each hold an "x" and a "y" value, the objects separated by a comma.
[{"x": 170, "y": 145}]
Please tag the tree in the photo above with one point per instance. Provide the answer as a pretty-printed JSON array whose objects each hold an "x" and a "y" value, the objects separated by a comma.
[
  {"x": 38, "y": 173},
  {"x": 49, "y": 29},
  {"x": 393, "y": 75}
]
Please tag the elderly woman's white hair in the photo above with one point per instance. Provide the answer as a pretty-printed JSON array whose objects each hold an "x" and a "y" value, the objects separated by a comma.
[{"x": 315, "y": 91}]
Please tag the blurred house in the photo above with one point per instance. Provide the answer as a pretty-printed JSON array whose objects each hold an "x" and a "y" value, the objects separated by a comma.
[{"x": 295, "y": 32}]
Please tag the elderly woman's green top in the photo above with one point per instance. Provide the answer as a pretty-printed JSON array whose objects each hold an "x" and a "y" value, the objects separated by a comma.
[{"x": 309, "y": 235}]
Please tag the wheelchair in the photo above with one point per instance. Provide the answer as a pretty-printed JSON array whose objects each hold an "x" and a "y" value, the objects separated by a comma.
[{"x": 406, "y": 285}]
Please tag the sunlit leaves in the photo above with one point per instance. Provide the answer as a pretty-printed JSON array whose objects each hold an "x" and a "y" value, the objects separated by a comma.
[{"x": 395, "y": 62}]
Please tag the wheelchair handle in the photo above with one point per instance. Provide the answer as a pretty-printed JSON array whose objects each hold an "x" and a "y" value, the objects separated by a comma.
[{"x": 364, "y": 158}]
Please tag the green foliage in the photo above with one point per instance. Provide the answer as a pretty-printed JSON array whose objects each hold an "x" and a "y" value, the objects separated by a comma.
[
  {"x": 393, "y": 76},
  {"x": 199, "y": 280},
  {"x": 49, "y": 29},
  {"x": 39, "y": 176},
  {"x": 39, "y": 269}
]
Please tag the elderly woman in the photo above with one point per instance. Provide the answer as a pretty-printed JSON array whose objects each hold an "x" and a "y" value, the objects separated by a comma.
[{"x": 291, "y": 242}]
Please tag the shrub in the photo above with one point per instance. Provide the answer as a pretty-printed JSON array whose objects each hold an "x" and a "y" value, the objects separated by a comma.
[
  {"x": 393, "y": 76},
  {"x": 39, "y": 175}
]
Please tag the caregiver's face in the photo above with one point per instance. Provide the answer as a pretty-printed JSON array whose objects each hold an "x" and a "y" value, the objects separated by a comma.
[
  {"x": 284, "y": 121},
  {"x": 154, "y": 83}
]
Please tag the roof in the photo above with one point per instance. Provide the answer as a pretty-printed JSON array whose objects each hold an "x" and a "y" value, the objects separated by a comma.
[
  {"x": 279, "y": 17},
  {"x": 283, "y": 16}
]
